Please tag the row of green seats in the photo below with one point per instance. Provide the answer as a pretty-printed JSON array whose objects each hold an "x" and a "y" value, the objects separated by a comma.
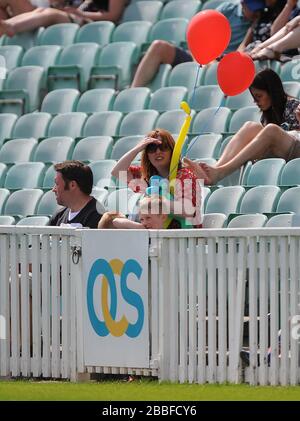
[{"x": 114, "y": 123}]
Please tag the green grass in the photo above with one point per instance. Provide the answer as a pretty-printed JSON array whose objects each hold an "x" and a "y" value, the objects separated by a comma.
[{"x": 144, "y": 390}]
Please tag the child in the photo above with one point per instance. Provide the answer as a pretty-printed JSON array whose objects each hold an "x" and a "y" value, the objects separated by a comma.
[{"x": 152, "y": 215}]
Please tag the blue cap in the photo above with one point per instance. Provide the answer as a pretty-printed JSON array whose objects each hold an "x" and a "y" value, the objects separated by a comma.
[{"x": 255, "y": 5}]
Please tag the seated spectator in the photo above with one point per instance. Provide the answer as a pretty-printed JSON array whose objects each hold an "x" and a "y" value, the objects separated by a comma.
[
  {"x": 261, "y": 29},
  {"x": 73, "y": 186},
  {"x": 88, "y": 11},
  {"x": 259, "y": 140},
  {"x": 153, "y": 212},
  {"x": 163, "y": 52},
  {"x": 10, "y": 8},
  {"x": 157, "y": 148},
  {"x": 285, "y": 35}
]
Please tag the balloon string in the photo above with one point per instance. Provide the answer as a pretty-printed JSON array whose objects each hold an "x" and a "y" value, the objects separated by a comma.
[
  {"x": 204, "y": 129},
  {"x": 195, "y": 86}
]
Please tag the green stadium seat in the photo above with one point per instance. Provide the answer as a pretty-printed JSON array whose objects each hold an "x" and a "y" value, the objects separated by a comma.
[
  {"x": 292, "y": 88},
  {"x": 60, "y": 101},
  {"x": 54, "y": 149},
  {"x": 22, "y": 90},
  {"x": 225, "y": 200},
  {"x": 93, "y": 148},
  {"x": 59, "y": 34},
  {"x": 7, "y": 122},
  {"x": 7, "y": 220},
  {"x": 143, "y": 10},
  {"x": 25, "y": 175},
  {"x": 113, "y": 67},
  {"x": 4, "y": 195},
  {"x": 241, "y": 116},
  {"x": 3, "y": 171},
  {"x": 236, "y": 102},
  {"x": 205, "y": 193},
  {"x": 169, "y": 98},
  {"x": 290, "y": 175},
  {"x": 185, "y": 74},
  {"x": 260, "y": 199},
  {"x": 212, "y": 120},
  {"x": 290, "y": 71},
  {"x": 132, "y": 99},
  {"x": 223, "y": 145},
  {"x": 133, "y": 31},
  {"x": 49, "y": 177},
  {"x": 265, "y": 172},
  {"x": 73, "y": 67},
  {"x": 99, "y": 32},
  {"x": 43, "y": 55},
  {"x": 12, "y": 54},
  {"x": 105, "y": 123},
  {"x": 172, "y": 120},
  {"x": 254, "y": 220},
  {"x": 210, "y": 76},
  {"x": 102, "y": 172},
  {"x": 206, "y": 97},
  {"x": 161, "y": 78},
  {"x": 117, "y": 200},
  {"x": 124, "y": 145},
  {"x": 23, "y": 202},
  {"x": 181, "y": 9},
  {"x": 204, "y": 146},
  {"x": 212, "y": 4},
  {"x": 37, "y": 221},
  {"x": 96, "y": 100},
  {"x": 213, "y": 220},
  {"x": 245, "y": 172},
  {"x": 281, "y": 220},
  {"x": 31, "y": 125},
  {"x": 138, "y": 122},
  {"x": 272, "y": 64},
  {"x": 47, "y": 204},
  {"x": 100, "y": 195},
  {"x": 17, "y": 150},
  {"x": 172, "y": 30},
  {"x": 67, "y": 124},
  {"x": 26, "y": 40},
  {"x": 289, "y": 201}
]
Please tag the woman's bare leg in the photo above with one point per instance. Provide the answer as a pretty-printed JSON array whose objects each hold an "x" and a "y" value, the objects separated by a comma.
[
  {"x": 277, "y": 36},
  {"x": 271, "y": 139},
  {"x": 244, "y": 136},
  {"x": 32, "y": 20},
  {"x": 160, "y": 52},
  {"x": 17, "y": 6},
  {"x": 290, "y": 41}
]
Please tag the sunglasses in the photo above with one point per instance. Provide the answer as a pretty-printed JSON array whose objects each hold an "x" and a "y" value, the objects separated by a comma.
[{"x": 154, "y": 146}]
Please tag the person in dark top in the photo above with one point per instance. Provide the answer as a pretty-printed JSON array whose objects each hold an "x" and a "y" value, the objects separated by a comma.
[
  {"x": 73, "y": 186},
  {"x": 88, "y": 11}
]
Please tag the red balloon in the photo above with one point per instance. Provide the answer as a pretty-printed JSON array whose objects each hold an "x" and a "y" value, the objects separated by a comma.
[
  {"x": 235, "y": 73},
  {"x": 208, "y": 35}
]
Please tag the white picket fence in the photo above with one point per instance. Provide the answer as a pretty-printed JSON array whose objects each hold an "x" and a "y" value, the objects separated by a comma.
[{"x": 205, "y": 288}]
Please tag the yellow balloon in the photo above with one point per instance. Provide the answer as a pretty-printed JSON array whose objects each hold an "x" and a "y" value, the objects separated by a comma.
[
  {"x": 180, "y": 142},
  {"x": 177, "y": 150}
]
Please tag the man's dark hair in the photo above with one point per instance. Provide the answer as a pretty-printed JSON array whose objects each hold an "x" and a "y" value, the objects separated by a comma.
[{"x": 76, "y": 171}]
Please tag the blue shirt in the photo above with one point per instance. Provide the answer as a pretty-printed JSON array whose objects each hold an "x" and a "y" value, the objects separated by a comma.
[{"x": 239, "y": 25}]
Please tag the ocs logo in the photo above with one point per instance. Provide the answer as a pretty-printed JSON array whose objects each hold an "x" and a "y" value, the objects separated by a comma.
[{"x": 108, "y": 286}]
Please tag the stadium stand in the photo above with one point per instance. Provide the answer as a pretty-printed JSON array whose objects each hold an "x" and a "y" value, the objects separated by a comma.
[{"x": 77, "y": 79}]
